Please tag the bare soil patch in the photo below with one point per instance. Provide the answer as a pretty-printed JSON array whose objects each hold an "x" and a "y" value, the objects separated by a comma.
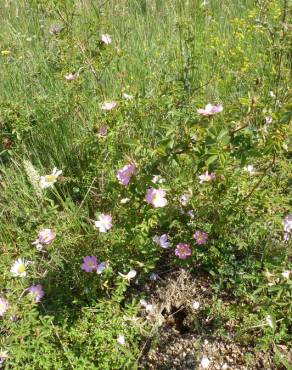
[{"x": 183, "y": 331}]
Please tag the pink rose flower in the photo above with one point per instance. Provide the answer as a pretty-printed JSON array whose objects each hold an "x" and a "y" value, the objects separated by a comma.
[
  {"x": 45, "y": 237},
  {"x": 108, "y": 105},
  {"x": 89, "y": 264},
  {"x": 36, "y": 292},
  {"x": 104, "y": 223},
  {"x": 210, "y": 110},
  {"x": 182, "y": 251},
  {"x": 124, "y": 174},
  {"x": 156, "y": 197},
  {"x": 207, "y": 177},
  {"x": 4, "y": 305},
  {"x": 200, "y": 237}
]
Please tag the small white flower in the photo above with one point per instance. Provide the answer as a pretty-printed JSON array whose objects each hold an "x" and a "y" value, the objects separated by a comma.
[
  {"x": 104, "y": 223},
  {"x": 106, "y": 39},
  {"x": 205, "y": 362},
  {"x": 124, "y": 200},
  {"x": 108, "y": 105},
  {"x": 196, "y": 305},
  {"x": 148, "y": 307},
  {"x": 127, "y": 96},
  {"x": 270, "y": 321},
  {"x": 162, "y": 240},
  {"x": 268, "y": 120},
  {"x": 249, "y": 168},
  {"x": 48, "y": 181},
  {"x": 19, "y": 268},
  {"x": 272, "y": 95},
  {"x": 130, "y": 275},
  {"x": 100, "y": 268},
  {"x": 121, "y": 339},
  {"x": 286, "y": 274},
  {"x": 157, "y": 179},
  {"x": 184, "y": 199}
]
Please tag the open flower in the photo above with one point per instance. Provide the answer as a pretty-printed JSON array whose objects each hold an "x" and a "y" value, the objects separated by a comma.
[
  {"x": 130, "y": 275},
  {"x": 106, "y": 39},
  {"x": 200, "y": 237},
  {"x": 89, "y": 264},
  {"x": 48, "y": 181},
  {"x": 19, "y": 268},
  {"x": 108, "y": 105},
  {"x": 4, "y": 305},
  {"x": 104, "y": 223},
  {"x": 156, "y": 197},
  {"x": 182, "y": 251},
  {"x": 45, "y": 237},
  {"x": 207, "y": 177},
  {"x": 124, "y": 174},
  {"x": 162, "y": 240},
  {"x": 36, "y": 292},
  {"x": 210, "y": 110}
]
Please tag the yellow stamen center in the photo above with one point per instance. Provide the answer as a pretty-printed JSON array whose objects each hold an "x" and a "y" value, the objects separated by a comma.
[
  {"x": 50, "y": 178},
  {"x": 21, "y": 269}
]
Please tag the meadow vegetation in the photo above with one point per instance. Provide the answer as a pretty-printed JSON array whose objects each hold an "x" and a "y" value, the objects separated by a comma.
[{"x": 114, "y": 170}]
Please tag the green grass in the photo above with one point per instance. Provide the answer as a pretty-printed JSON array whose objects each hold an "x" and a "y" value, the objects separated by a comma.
[{"x": 173, "y": 57}]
